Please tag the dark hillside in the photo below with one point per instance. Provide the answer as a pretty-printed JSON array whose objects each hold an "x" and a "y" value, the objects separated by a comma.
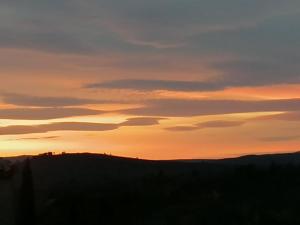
[{"x": 95, "y": 189}]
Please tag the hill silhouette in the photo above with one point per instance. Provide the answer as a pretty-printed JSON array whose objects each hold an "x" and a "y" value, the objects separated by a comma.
[
  {"x": 259, "y": 160},
  {"x": 99, "y": 189}
]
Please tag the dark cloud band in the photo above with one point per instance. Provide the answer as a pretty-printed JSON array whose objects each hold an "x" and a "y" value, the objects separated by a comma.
[
  {"x": 27, "y": 100},
  {"x": 152, "y": 85},
  {"x": 185, "y": 108},
  {"x": 209, "y": 124},
  {"x": 45, "y": 113},
  {"x": 76, "y": 126},
  {"x": 288, "y": 117}
]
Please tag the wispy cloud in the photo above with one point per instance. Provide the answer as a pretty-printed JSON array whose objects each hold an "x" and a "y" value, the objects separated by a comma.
[
  {"x": 45, "y": 113},
  {"x": 287, "y": 116},
  {"x": 142, "y": 121},
  {"x": 39, "y": 101},
  {"x": 35, "y": 138},
  {"x": 186, "y": 108},
  {"x": 246, "y": 43},
  {"x": 142, "y": 23},
  {"x": 65, "y": 126},
  {"x": 209, "y": 124},
  {"x": 76, "y": 126},
  {"x": 152, "y": 85}
]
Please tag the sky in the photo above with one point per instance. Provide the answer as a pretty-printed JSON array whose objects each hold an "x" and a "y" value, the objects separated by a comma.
[{"x": 160, "y": 79}]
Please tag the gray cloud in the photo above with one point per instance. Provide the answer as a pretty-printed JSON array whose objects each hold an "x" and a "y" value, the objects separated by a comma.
[
  {"x": 142, "y": 121},
  {"x": 151, "y": 85},
  {"x": 208, "y": 124},
  {"x": 248, "y": 43},
  {"x": 58, "y": 25},
  {"x": 26, "y": 100},
  {"x": 188, "y": 109},
  {"x": 183, "y": 108},
  {"x": 219, "y": 124},
  {"x": 45, "y": 113},
  {"x": 65, "y": 126},
  {"x": 239, "y": 73},
  {"x": 287, "y": 116},
  {"x": 76, "y": 126},
  {"x": 234, "y": 74},
  {"x": 264, "y": 54},
  {"x": 169, "y": 23}
]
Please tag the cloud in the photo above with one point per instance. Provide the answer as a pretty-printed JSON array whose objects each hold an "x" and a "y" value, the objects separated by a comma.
[
  {"x": 65, "y": 126},
  {"x": 279, "y": 138},
  {"x": 208, "y": 124},
  {"x": 287, "y": 116},
  {"x": 248, "y": 44},
  {"x": 142, "y": 121},
  {"x": 152, "y": 85},
  {"x": 34, "y": 138},
  {"x": 160, "y": 24},
  {"x": 241, "y": 44},
  {"x": 256, "y": 72},
  {"x": 264, "y": 54},
  {"x": 27, "y": 100},
  {"x": 76, "y": 126},
  {"x": 73, "y": 26},
  {"x": 185, "y": 108},
  {"x": 219, "y": 124},
  {"x": 45, "y": 113}
]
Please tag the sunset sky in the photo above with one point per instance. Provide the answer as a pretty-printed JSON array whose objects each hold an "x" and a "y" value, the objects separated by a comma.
[{"x": 159, "y": 79}]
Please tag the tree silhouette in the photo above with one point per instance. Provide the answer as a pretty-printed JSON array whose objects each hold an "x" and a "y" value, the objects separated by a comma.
[{"x": 26, "y": 204}]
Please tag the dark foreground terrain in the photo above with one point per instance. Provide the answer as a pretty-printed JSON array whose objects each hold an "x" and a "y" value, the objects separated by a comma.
[{"x": 88, "y": 189}]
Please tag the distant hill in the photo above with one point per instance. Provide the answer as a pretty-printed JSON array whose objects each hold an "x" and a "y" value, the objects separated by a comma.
[
  {"x": 95, "y": 170},
  {"x": 91, "y": 169},
  {"x": 284, "y": 158},
  {"x": 96, "y": 189},
  {"x": 260, "y": 160}
]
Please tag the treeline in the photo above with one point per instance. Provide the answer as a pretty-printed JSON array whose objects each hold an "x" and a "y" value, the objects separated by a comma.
[
  {"x": 7, "y": 169},
  {"x": 239, "y": 195},
  {"x": 20, "y": 178}
]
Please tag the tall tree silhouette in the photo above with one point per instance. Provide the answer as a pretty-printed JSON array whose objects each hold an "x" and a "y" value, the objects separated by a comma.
[{"x": 26, "y": 206}]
